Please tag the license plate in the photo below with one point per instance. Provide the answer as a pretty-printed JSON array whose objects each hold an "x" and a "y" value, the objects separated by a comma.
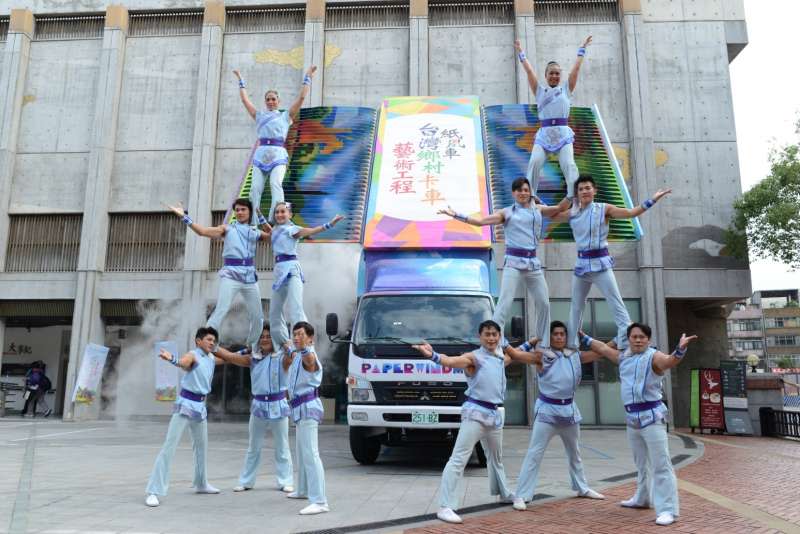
[{"x": 424, "y": 418}]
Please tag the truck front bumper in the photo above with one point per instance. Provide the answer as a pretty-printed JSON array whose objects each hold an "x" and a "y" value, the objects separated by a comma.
[{"x": 400, "y": 416}]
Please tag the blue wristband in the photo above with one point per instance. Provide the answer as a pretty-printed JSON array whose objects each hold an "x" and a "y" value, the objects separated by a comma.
[
  {"x": 306, "y": 80},
  {"x": 649, "y": 203},
  {"x": 581, "y": 51},
  {"x": 678, "y": 353},
  {"x": 174, "y": 361},
  {"x": 436, "y": 357},
  {"x": 186, "y": 219},
  {"x": 261, "y": 219},
  {"x": 587, "y": 340},
  {"x": 241, "y": 84},
  {"x": 525, "y": 347},
  {"x": 522, "y": 57},
  {"x": 460, "y": 217},
  {"x": 304, "y": 352},
  {"x": 327, "y": 226}
]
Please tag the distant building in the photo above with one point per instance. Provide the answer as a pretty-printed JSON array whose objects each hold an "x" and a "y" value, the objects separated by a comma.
[
  {"x": 781, "y": 312},
  {"x": 745, "y": 331}
]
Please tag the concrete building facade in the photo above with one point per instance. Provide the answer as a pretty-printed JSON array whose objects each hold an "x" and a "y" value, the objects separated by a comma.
[{"x": 106, "y": 111}]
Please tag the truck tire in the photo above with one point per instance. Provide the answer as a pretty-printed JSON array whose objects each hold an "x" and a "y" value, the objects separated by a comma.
[
  {"x": 479, "y": 452},
  {"x": 365, "y": 449}
]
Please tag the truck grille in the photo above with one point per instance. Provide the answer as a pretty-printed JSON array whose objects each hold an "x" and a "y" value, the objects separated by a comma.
[{"x": 434, "y": 393}]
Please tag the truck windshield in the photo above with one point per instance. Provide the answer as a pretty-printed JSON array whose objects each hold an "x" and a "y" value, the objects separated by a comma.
[{"x": 439, "y": 319}]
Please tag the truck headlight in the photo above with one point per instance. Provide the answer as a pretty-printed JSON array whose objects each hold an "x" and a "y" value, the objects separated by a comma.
[{"x": 360, "y": 395}]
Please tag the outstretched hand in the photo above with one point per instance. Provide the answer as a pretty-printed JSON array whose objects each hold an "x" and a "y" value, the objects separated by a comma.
[
  {"x": 661, "y": 193},
  {"x": 164, "y": 354},
  {"x": 425, "y": 349},
  {"x": 587, "y": 41},
  {"x": 311, "y": 70},
  {"x": 337, "y": 219},
  {"x": 685, "y": 340},
  {"x": 518, "y": 45},
  {"x": 447, "y": 211},
  {"x": 177, "y": 209},
  {"x": 237, "y": 74},
  {"x": 532, "y": 342}
]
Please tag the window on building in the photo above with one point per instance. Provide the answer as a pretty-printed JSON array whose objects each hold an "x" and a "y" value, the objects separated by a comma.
[
  {"x": 783, "y": 341},
  {"x": 744, "y": 325},
  {"x": 782, "y": 322},
  {"x": 145, "y": 242},
  {"x": 749, "y": 344},
  {"x": 43, "y": 243}
]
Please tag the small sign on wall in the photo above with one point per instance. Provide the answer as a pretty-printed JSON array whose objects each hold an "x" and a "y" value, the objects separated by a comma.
[{"x": 92, "y": 363}]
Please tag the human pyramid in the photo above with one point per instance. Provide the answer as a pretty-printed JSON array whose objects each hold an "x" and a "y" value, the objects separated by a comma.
[{"x": 286, "y": 372}]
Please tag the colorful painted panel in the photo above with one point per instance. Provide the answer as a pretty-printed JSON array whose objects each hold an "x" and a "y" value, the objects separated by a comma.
[
  {"x": 330, "y": 149},
  {"x": 510, "y": 130},
  {"x": 428, "y": 155}
]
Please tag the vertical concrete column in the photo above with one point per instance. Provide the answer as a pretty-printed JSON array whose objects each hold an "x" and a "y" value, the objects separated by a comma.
[
  {"x": 87, "y": 325},
  {"x": 314, "y": 48},
  {"x": 2, "y": 340},
  {"x": 419, "y": 49},
  {"x": 204, "y": 147},
  {"x": 525, "y": 31},
  {"x": 13, "y": 72},
  {"x": 643, "y": 166}
]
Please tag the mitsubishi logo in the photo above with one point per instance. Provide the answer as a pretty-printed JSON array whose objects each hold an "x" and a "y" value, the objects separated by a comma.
[{"x": 424, "y": 396}]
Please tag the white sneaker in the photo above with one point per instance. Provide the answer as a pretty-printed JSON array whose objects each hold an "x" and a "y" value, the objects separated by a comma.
[
  {"x": 519, "y": 504},
  {"x": 592, "y": 494},
  {"x": 665, "y": 518},
  {"x": 314, "y": 509},
  {"x": 633, "y": 503},
  {"x": 448, "y": 515},
  {"x": 208, "y": 488},
  {"x": 242, "y": 488},
  {"x": 295, "y": 495},
  {"x": 287, "y": 489},
  {"x": 152, "y": 500}
]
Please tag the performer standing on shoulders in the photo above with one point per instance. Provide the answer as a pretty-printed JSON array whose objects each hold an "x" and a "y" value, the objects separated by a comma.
[
  {"x": 269, "y": 410},
  {"x": 523, "y": 228},
  {"x": 304, "y": 370},
  {"x": 190, "y": 410},
  {"x": 558, "y": 370},
  {"x": 552, "y": 104},
  {"x": 270, "y": 158},
  {"x": 238, "y": 273},
  {"x": 589, "y": 222},
  {"x": 641, "y": 373},
  {"x": 287, "y": 287},
  {"x": 481, "y": 420}
]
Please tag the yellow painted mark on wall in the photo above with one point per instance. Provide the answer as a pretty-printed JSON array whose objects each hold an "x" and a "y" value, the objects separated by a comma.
[
  {"x": 294, "y": 57},
  {"x": 27, "y": 99},
  {"x": 623, "y": 156},
  {"x": 661, "y": 158},
  {"x": 331, "y": 53}
]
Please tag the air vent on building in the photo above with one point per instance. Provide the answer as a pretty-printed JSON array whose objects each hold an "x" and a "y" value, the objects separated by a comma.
[
  {"x": 264, "y": 259},
  {"x": 3, "y": 29},
  {"x": 271, "y": 19},
  {"x": 443, "y": 13},
  {"x": 163, "y": 23},
  {"x": 145, "y": 242},
  {"x": 126, "y": 312},
  {"x": 61, "y": 28},
  {"x": 43, "y": 243},
  {"x": 28, "y": 313},
  {"x": 575, "y": 11},
  {"x": 366, "y": 15}
]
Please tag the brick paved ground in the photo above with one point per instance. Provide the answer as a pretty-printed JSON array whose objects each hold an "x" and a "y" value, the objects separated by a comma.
[{"x": 740, "y": 484}]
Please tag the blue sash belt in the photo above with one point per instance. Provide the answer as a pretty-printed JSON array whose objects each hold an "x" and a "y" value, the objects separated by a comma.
[
  {"x": 521, "y": 252},
  {"x": 642, "y": 406},
  {"x": 192, "y": 396},
  {"x": 485, "y": 404},
  {"x": 553, "y": 122},
  {"x": 271, "y": 141},
  {"x": 551, "y": 400},
  {"x": 270, "y": 397},
  {"x": 285, "y": 257},
  {"x": 304, "y": 398},
  {"x": 238, "y": 262},
  {"x": 592, "y": 254}
]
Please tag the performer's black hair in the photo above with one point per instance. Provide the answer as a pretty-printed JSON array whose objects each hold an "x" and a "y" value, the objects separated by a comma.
[
  {"x": 517, "y": 184},
  {"x": 243, "y": 202},
  {"x": 265, "y": 326},
  {"x": 585, "y": 178},
  {"x": 557, "y": 324},
  {"x": 489, "y": 324},
  {"x": 309, "y": 330},
  {"x": 203, "y": 331},
  {"x": 646, "y": 330},
  {"x": 548, "y": 66}
]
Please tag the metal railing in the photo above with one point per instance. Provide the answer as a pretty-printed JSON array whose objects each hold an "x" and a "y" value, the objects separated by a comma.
[
  {"x": 444, "y": 13},
  {"x": 365, "y": 16},
  {"x": 61, "y": 28},
  {"x": 779, "y": 423},
  {"x": 3, "y": 29},
  {"x": 264, "y": 259},
  {"x": 575, "y": 11},
  {"x": 145, "y": 242},
  {"x": 43, "y": 243},
  {"x": 271, "y": 19},
  {"x": 166, "y": 23}
]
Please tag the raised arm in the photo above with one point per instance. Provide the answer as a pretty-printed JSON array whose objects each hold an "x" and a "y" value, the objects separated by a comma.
[
  {"x": 532, "y": 81},
  {"x": 237, "y": 358},
  {"x": 558, "y": 209},
  {"x": 588, "y": 356},
  {"x": 464, "y": 361},
  {"x": 493, "y": 218},
  {"x": 263, "y": 226},
  {"x": 525, "y": 353},
  {"x": 663, "y": 362},
  {"x": 573, "y": 74},
  {"x": 294, "y": 109},
  {"x": 598, "y": 347},
  {"x": 309, "y": 360},
  {"x": 212, "y": 232},
  {"x": 251, "y": 109},
  {"x": 614, "y": 212},
  {"x": 306, "y": 232},
  {"x": 185, "y": 362}
]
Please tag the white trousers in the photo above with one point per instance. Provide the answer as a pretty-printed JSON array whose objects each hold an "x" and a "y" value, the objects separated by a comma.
[
  {"x": 651, "y": 456},
  {"x": 540, "y": 436},
  {"x": 566, "y": 159},
  {"x": 275, "y": 186},
  {"x": 290, "y": 296},
  {"x": 310, "y": 471},
  {"x": 252, "y": 300},
  {"x": 468, "y": 435},
  {"x": 159, "y": 477},
  {"x": 607, "y": 284},
  {"x": 536, "y": 286},
  {"x": 283, "y": 457}
]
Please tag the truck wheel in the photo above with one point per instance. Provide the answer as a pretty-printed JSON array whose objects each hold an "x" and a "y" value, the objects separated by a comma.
[
  {"x": 365, "y": 449},
  {"x": 479, "y": 452}
]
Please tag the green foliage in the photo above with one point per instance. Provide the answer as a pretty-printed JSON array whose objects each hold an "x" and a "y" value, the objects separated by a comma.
[
  {"x": 766, "y": 222},
  {"x": 785, "y": 363}
]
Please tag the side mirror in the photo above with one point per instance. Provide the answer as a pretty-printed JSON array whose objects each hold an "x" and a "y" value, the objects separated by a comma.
[
  {"x": 517, "y": 327},
  {"x": 332, "y": 324}
]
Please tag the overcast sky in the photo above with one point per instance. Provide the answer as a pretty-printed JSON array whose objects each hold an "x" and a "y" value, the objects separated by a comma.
[{"x": 766, "y": 99}]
